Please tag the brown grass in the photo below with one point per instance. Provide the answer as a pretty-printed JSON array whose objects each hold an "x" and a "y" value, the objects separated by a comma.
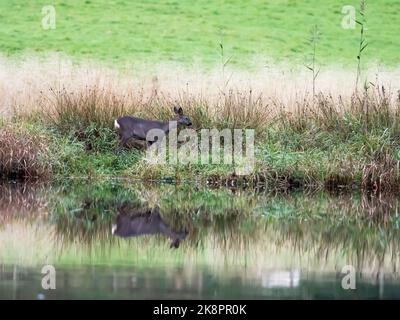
[
  {"x": 381, "y": 175},
  {"x": 22, "y": 154},
  {"x": 236, "y": 98}
]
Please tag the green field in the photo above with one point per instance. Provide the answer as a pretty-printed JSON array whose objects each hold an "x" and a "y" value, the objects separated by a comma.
[{"x": 188, "y": 31}]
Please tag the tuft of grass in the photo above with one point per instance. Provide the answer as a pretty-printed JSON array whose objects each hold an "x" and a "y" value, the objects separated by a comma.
[{"x": 23, "y": 154}]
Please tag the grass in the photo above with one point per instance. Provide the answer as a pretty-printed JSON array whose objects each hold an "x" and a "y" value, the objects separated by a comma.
[
  {"x": 313, "y": 130},
  {"x": 324, "y": 145},
  {"x": 125, "y": 31},
  {"x": 318, "y": 131},
  {"x": 23, "y": 154},
  {"x": 336, "y": 138}
]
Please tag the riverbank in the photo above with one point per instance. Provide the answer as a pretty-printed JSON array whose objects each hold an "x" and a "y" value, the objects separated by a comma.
[{"x": 57, "y": 125}]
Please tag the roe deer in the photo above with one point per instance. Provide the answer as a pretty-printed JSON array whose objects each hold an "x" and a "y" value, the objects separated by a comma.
[
  {"x": 130, "y": 127},
  {"x": 132, "y": 222}
]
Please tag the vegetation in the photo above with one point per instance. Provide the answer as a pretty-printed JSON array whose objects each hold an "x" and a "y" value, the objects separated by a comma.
[
  {"x": 318, "y": 131},
  {"x": 125, "y": 31},
  {"x": 325, "y": 142},
  {"x": 23, "y": 154},
  {"x": 324, "y": 103}
]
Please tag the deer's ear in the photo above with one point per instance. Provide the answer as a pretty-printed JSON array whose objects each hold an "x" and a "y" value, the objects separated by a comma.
[{"x": 178, "y": 110}]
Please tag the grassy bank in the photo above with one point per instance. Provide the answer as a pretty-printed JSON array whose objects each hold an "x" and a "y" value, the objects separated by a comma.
[
  {"x": 58, "y": 122},
  {"x": 321, "y": 144}
]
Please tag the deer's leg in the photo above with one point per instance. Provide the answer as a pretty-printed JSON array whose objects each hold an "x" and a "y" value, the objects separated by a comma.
[{"x": 122, "y": 142}]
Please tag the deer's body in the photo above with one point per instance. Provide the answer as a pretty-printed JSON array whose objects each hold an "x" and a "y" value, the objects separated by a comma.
[
  {"x": 135, "y": 223},
  {"x": 136, "y": 128},
  {"x": 131, "y": 127}
]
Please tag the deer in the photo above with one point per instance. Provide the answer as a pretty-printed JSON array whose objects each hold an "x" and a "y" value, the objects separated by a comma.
[
  {"x": 133, "y": 222},
  {"x": 131, "y": 127}
]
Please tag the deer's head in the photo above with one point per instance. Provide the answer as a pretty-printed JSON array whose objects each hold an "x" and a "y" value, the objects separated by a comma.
[{"x": 180, "y": 118}]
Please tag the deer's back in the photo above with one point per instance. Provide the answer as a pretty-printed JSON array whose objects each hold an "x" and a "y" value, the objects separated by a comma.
[
  {"x": 130, "y": 226},
  {"x": 137, "y": 126}
]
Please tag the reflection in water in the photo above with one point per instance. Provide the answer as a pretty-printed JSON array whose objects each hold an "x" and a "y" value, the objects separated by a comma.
[
  {"x": 234, "y": 245},
  {"x": 283, "y": 279},
  {"x": 132, "y": 222},
  {"x": 166, "y": 282},
  {"x": 21, "y": 201}
]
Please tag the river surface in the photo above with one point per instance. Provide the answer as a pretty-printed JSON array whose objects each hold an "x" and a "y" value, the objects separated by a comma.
[{"x": 126, "y": 240}]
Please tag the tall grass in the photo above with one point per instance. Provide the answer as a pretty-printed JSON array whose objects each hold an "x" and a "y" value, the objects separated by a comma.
[
  {"x": 34, "y": 86},
  {"x": 336, "y": 137},
  {"x": 23, "y": 155}
]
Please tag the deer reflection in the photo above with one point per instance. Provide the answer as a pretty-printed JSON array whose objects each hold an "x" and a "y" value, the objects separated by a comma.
[{"x": 133, "y": 222}]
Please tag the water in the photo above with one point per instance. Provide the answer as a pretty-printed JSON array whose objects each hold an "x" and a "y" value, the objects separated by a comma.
[{"x": 124, "y": 240}]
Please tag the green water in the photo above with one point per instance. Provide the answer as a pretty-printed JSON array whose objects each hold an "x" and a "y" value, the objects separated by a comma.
[{"x": 126, "y": 240}]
